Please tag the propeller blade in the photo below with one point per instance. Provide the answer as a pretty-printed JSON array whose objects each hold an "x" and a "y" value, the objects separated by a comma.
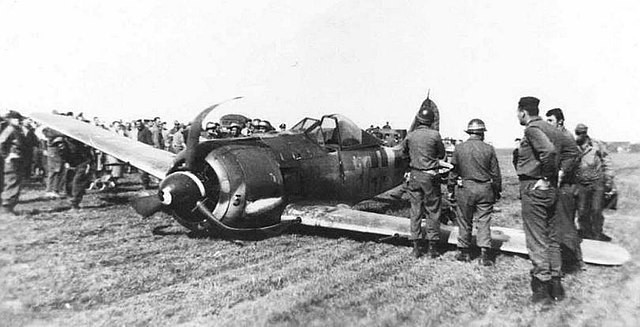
[
  {"x": 147, "y": 205},
  {"x": 196, "y": 125}
]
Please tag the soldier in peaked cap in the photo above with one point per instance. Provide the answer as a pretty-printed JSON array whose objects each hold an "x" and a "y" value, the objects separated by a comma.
[
  {"x": 425, "y": 148},
  {"x": 477, "y": 175},
  {"x": 537, "y": 169},
  {"x": 594, "y": 175}
]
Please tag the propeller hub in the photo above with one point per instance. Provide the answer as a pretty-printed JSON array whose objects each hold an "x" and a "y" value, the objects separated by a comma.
[{"x": 181, "y": 189}]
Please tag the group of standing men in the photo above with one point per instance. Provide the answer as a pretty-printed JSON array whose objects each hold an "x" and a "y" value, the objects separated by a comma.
[
  {"x": 68, "y": 162},
  {"x": 558, "y": 175}
]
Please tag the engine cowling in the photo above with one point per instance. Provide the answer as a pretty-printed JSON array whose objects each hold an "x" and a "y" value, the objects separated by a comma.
[{"x": 240, "y": 185}]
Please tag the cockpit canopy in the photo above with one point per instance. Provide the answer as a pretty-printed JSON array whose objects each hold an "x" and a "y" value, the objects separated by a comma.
[{"x": 336, "y": 132}]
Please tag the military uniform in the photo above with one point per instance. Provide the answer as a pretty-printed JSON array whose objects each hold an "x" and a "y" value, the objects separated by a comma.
[
  {"x": 476, "y": 164},
  {"x": 536, "y": 162},
  {"x": 79, "y": 157},
  {"x": 594, "y": 171},
  {"x": 144, "y": 136},
  {"x": 425, "y": 148},
  {"x": 11, "y": 147},
  {"x": 55, "y": 165},
  {"x": 564, "y": 229}
]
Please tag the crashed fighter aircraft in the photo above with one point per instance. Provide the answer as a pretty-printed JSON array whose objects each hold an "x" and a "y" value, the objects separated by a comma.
[{"x": 257, "y": 186}]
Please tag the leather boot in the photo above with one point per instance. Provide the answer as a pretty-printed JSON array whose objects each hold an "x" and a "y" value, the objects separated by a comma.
[
  {"x": 463, "y": 255},
  {"x": 417, "y": 249},
  {"x": 486, "y": 257},
  {"x": 540, "y": 291},
  {"x": 432, "y": 249},
  {"x": 556, "y": 289}
]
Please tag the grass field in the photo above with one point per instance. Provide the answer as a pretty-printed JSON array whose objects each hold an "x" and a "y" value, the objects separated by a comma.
[{"x": 105, "y": 266}]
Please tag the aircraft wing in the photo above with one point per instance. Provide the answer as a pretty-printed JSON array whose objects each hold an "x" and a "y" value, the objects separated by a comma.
[
  {"x": 502, "y": 239},
  {"x": 154, "y": 161}
]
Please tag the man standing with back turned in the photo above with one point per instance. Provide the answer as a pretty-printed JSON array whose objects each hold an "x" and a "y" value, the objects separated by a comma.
[
  {"x": 537, "y": 171},
  {"x": 425, "y": 148},
  {"x": 476, "y": 164}
]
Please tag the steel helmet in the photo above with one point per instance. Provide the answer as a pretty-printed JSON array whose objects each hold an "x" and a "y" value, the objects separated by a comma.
[
  {"x": 425, "y": 115},
  {"x": 476, "y": 126}
]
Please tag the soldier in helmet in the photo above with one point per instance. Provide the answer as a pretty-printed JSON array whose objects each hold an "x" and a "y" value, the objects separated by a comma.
[
  {"x": 477, "y": 175},
  {"x": 425, "y": 148},
  {"x": 234, "y": 130},
  {"x": 11, "y": 153}
]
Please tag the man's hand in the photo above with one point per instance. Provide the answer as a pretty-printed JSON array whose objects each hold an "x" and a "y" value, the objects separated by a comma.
[
  {"x": 560, "y": 177},
  {"x": 451, "y": 196},
  {"x": 541, "y": 184},
  {"x": 10, "y": 157}
]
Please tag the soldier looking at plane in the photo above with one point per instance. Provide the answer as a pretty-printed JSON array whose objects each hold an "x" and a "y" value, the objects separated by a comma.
[
  {"x": 425, "y": 148},
  {"x": 565, "y": 229},
  {"x": 477, "y": 175},
  {"x": 156, "y": 133},
  {"x": 537, "y": 170},
  {"x": 144, "y": 136},
  {"x": 79, "y": 157},
  {"x": 594, "y": 175},
  {"x": 11, "y": 151}
]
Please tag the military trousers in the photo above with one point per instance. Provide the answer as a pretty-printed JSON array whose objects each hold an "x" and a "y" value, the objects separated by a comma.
[
  {"x": 425, "y": 197},
  {"x": 590, "y": 205},
  {"x": 564, "y": 229},
  {"x": 474, "y": 198},
  {"x": 12, "y": 183},
  {"x": 538, "y": 215},
  {"x": 55, "y": 180},
  {"x": 79, "y": 183}
]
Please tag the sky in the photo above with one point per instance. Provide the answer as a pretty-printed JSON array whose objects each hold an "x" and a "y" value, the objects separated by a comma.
[{"x": 372, "y": 61}]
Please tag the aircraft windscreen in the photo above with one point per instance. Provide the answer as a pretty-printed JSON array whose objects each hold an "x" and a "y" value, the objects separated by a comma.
[
  {"x": 304, "y": 124},
  {"x": 339, "y": 130}
]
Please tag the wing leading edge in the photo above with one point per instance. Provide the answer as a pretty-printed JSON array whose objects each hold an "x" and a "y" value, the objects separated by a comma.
[{"x": 145, "y": 157}]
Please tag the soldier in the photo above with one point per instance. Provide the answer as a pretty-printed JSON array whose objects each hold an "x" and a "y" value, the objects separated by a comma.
[
  {"x": 476, "y": 164},
  {"x": 234, "y": 130},
  {"x": 425, "y": 148},
  {"x": 565, "y": 228},
  {"x": 594, "y": 175},
  {"x": 537, "y": 171},
  {"x": 79, "y": 157},
  {"x": 144, "y": 136},
  {"x": 156, "y": 133},
  {"x": 11, "y": 147}
]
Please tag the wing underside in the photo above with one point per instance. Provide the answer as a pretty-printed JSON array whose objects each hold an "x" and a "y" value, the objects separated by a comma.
[{"x": 154, "y": 161}]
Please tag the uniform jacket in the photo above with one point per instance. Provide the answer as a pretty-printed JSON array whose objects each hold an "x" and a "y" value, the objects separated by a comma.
[
  {"x": 568, "y": 155},
  {"x": 537, "y": 153},
  {"x": 144, "y": 136},
  {"x": 477, "y": 161},
  {"x": 425, "y": 148},
  {"x": 595, "y": 163},
  {"x": 156, "y": 136},
  {"x": 11, "y": 141}
]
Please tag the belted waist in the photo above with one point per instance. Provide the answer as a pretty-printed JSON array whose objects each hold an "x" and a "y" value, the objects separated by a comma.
[
  {"x": 528, "y": 178},
  {"x": 425, "y": 170},
  {"x": 476, "y": 181}
]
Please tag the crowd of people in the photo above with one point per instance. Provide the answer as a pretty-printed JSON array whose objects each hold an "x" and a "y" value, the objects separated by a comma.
[
  {"x": 560, "y": 176},
  {"x": 68, "y": 167}
]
